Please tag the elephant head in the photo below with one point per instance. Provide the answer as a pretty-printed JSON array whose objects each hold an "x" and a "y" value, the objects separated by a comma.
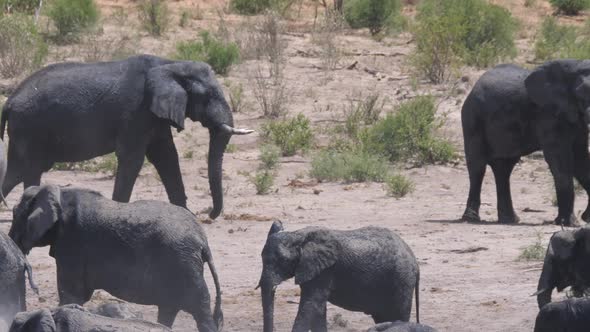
[
  {"x": 39, "y": 321},
  {"x": 303, "y": 254},
  {"x": 565, "y": 264},
  {"x": 562, "y": 87},
  {"x": 189, "y": 89},
  {"x": 34, "y": 216}
]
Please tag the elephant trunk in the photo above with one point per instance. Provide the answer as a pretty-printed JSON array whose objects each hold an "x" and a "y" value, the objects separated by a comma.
[
  {"x": 218, "y": 140},
  {"x": 546, "y": 285},
  {"x": 268, "y": 302}
]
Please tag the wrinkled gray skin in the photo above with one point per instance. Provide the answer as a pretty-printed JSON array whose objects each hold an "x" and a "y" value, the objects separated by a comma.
[
  {"x": 146, "y": 252},
  {"x": 73, "y": 318},
  {"x": 369, "y": 269},
  {"x": 116, "y": 310},
  {"x": 3, "y": 165},
  {"x": 13, "y": 266},
  {"x": 71, "y": 112},
  {"x": 571, "y": 315},
  {"x": 512, "y": 112},
  {"x": 401, "y": 327},
  {"x": 565, "y": 264}
]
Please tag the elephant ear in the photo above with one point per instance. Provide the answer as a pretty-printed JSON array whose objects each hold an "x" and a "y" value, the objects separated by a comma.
[
  {"x": 582, "y": 236},
  {"x": 38, "y": 321},
  {"x": 44, "y": 213},
  {"x": 552, "y": 87},
  {"x": 561, "y": 245},
  {"x": 168, "y": 98},
  {"x": 319, "y": 251}
]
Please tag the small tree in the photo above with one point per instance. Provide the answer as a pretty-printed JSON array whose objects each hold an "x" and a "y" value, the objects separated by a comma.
[
  {"x": 21, "y": 47},
  {"x": 570, "y": 7},
  {"x": 73, "y": 16},
  {"x": 372, "y": 14},
  {"x": 154, "y": 16}
]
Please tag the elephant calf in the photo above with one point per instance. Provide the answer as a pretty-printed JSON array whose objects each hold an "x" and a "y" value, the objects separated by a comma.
[
  {"x": 146, "y": 252},
  {"x": 401, "y": 327},
  {"x": 13, "y": 266},
  {"x": 369, "y": 269},
  {"x": 571, "y": 315},
  {"x": 73, "y": 318}
]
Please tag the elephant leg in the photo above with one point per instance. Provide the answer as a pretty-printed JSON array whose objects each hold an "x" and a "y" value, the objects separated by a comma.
[
  {"x": 129, "y": 164},
  {"x": 312, "y": 305},
  {"x": 502, "y": 169},
  {"x": 582, "y": 169},
  {"x": 71, "y": 287},
  {"x": 163, "y": 155},
  {"x": 202, "y": 310},
  {"x": 476, "y": 167},
  {"x": 561, "y": 165},
  {"x": 167, "y": 315},
  {"x": 14, "y": 170}
]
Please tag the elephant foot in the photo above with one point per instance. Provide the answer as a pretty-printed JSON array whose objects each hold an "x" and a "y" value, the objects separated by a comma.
[
  {"x": 572, "y": 221},
  {"x": 470, "y": 215},
  {"x": 508, "y": 219}
]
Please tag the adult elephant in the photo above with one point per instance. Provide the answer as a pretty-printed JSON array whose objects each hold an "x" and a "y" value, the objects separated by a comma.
[
  {"x": 565, "y": 264},
  {"x": 71, "y": 112},
  {"x": 512, "y": 112}
]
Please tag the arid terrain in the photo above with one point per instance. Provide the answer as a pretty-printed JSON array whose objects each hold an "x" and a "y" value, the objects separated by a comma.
[{"x": 471, "y": 277}]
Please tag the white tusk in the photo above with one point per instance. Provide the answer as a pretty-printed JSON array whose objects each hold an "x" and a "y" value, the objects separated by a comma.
[{"x": 234, "y": 131}]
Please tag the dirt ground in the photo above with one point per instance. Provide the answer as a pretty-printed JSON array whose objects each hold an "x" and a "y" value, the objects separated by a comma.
[{"x": 471, "y": 278}]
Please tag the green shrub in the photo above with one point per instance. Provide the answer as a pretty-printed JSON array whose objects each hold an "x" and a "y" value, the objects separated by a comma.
[
  {"x": 72, "y": 16},
  {"x": 556, "y": 41},
  {"x": 253, "y": 7},
  {"x": 218, "y": 54},
  {"x": 269, "y": 156},
  {"x": 154, "y": 16},
  {"x": 263, "y": 181},
  {"x": 105, "y": 164},
  {"x": 18, "y": 6},
  {"x": 362, "y": 112},
  {"x": 474, "y": 32},
  {"x": 349, "y": 166},
  {"x": 533, "y": 252},
  {"x": 408, "y": 134},
  {"x": 398, "y": 185},
  {"x": 289, "y": 135},
  {"x": 21, "y": 47},
  {"x": 374, "y": 14},
  {"x": 570, "y": 7}
]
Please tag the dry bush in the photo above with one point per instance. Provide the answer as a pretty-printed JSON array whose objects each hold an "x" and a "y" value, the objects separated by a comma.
[
  {"x": 154, "y": 16},
  {"x": 97, "y": 47},
  {"x": 270, "y": 92},
  {"x": 325, "y": 36},
  {"x": 262, "y": 39},
  {"x": 21, "y": 47}
]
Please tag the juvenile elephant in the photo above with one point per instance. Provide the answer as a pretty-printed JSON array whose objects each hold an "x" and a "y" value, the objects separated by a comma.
[
  {"x": 73, "y": 318},
  {"x": 147, "y": 252},
  {"x": 512, "y": 112},
  {"x": 571, "y": 315},
  {"x": 401, "y": 327},
  {"x": 70, "y": 112},
  {"x": 369, "y": 269},
  {"x": 13, "y": 266},
  {"x": 565, "y": 264}
]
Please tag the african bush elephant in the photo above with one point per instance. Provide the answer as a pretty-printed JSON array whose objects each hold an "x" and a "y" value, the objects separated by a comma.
[
  {"x": 147, "y": 252},
  {"x": 71, "y": 112},
  {"x": 565, "y": 264},
  {"x": 571, "y": 315},
  {"x": 13, "y": 266},
  {"x": 399, "y": 326},
  {"x": 512, "y": 112},
  {"x": 369, "y": 269},
  {"x": 73, "y": 318}
]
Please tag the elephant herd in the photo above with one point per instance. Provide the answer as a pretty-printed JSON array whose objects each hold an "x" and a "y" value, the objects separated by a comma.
[{"x": 154, "y": 253}]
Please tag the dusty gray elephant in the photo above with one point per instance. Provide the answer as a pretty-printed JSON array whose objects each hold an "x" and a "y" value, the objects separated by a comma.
[
  {"x": 3, "y": 165},
  {"x": 399, "y": 326},
  {"x": 74, "y": 318},
  {"x": 13, "y": 266},
  {"x": 146, "y": 252},
  {"x": 369, "y": 269},
  {"x": 71, "y": 112},
  {"x": 571, "y": 315},
  {"x": 565, "y": 264},
  {"x": 512, "y": 112}
]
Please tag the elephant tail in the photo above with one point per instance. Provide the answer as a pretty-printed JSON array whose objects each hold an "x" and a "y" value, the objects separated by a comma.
[
  {"x": 217, "y": 313},
  {"x": 3, "y": 120},
  {"x": 417, "y": 290}
]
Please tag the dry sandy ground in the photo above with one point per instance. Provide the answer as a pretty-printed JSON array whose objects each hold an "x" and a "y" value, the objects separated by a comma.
[{"x": 487, "y": 289}]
